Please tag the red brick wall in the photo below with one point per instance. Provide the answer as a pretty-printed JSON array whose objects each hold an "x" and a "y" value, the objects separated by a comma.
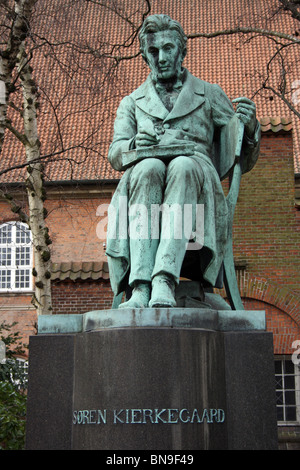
[
  {"x": 266, "y": 236},
  {"x": 266, "y": 231},
  {"x": 72, "y": 226},
  {"x": 284, "y": 328},
  {"x": 18, "y": 308},
  {"x": 81, "y": 296}
]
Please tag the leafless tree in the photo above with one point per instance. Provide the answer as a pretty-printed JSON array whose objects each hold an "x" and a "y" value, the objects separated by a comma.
[
  {"x": 53, "y": 74},
  {"x": 278, "y": 75}
]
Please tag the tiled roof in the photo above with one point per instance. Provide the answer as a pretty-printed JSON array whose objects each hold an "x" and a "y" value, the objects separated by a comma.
[
  {"x": 87, "y": 270},
  {"x": 87, "y": 110},
  {"x": 276, "y": 124},
  {"x": 79, "y": 271}
]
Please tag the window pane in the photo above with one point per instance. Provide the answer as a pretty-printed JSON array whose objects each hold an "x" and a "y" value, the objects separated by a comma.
[
  {"x": 22, "y": 278},
  {"x": 15, "y": 254},
  {"x": 290, "y": 398},
  {"x": 279, "y": 398},
  {"x": 5, "y": 256},
  {"x": 290, "y": 413},
  {"x": 23, "y": 256},
  {"x": 288, "y": 367},
  {"x": 22, "y": 234},
  {"x": 280, "y": 416},
  {"x": 5, "y": 279},
  {"x": 278, "y": 381},
  {"x": 5, "y": 234},
  {"x": 287, "y": 396},
  {"x": 289, "y": 382}
]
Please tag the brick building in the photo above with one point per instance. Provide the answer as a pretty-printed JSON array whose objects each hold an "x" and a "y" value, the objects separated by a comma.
[{"x": 267, "y": 220}]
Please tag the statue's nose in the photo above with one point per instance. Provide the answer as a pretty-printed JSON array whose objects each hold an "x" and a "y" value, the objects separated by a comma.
[{"x": 162, "y": 57}]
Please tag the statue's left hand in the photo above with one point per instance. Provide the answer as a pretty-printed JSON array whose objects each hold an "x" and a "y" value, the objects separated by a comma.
[{"x": 246, "y": 112}]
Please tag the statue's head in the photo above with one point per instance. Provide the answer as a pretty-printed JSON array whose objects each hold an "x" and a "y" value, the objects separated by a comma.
[{"x": 163, "y": 45}]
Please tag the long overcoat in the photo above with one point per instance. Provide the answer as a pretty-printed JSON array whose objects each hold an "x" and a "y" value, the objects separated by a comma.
[{"x": 200, "y": 114}]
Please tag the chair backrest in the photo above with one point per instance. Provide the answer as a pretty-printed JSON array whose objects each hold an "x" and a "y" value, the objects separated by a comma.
[
  {"x": 227, "y": 146},
  {"x": 234, "y": 133}
]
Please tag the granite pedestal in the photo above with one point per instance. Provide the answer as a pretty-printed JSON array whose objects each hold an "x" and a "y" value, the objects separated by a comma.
[{"x": 152, "y": 379}]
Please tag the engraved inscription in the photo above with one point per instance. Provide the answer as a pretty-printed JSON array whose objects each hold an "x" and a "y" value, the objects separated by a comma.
[{"x": 149, "y": 416}]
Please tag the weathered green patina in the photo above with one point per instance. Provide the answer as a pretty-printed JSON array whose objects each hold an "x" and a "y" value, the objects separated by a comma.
[
  {"x": 217, "y": 320},
  {"x": 177, "y": 138}
]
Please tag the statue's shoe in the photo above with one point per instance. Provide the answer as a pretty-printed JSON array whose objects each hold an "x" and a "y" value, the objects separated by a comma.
[
  {"x": 163, "y": 292},
  {"x": 140, "y": 296}
]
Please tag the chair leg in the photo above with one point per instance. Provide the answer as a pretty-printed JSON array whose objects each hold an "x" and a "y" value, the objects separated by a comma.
[
  {"x": 230, "y": 281},
  {"x": 117, "y": 300}
]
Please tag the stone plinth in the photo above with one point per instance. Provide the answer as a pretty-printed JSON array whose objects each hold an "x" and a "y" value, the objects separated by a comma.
[{"x": 152, "y": 379}]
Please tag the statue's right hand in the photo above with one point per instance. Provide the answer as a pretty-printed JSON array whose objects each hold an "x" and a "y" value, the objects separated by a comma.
[{"x": 145, "y": 138}]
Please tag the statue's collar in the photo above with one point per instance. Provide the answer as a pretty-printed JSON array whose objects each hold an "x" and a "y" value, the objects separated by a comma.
[
  {"x": 175, "y": 85},
  {"x": 190, "y": 97},
  {"x": 190, "y": 83}
]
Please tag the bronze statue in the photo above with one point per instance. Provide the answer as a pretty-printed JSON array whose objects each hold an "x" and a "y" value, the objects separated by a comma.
[{"x": 166, "y": 137}]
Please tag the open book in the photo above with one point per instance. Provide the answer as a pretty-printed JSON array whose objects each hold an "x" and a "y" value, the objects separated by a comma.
[{"x": 163, "y": 152}]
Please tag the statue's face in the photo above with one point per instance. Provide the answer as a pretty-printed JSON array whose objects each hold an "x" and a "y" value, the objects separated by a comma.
[{"x": 164, "y": 54}]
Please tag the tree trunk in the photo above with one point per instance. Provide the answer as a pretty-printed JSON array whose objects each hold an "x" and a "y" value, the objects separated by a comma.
[
  {"x": 35, "y": 192},
  {"x": 15, "y": 57},
  {"x": 8, "y": 57}
]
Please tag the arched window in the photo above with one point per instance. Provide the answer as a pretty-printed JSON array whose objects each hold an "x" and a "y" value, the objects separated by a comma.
[{"x": 15, "y": 257}]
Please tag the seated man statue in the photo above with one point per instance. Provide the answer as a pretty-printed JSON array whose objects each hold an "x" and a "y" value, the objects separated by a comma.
[{"x": 170, "y": 111}]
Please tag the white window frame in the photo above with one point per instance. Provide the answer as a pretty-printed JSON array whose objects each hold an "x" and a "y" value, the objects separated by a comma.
[
  {"x": 13, "y": 267},
  {"x": 23, "y": 364},
  {"x": 286, "y": 387}
]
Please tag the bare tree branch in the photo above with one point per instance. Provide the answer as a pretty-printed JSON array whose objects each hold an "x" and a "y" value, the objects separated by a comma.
[
  {"x": 292, "y": 7},
  {"x": 244, "y": 30}
]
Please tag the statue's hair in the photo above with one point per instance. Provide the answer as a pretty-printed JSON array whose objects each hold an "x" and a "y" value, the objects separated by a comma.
[{"x": 155, "y": 23}]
